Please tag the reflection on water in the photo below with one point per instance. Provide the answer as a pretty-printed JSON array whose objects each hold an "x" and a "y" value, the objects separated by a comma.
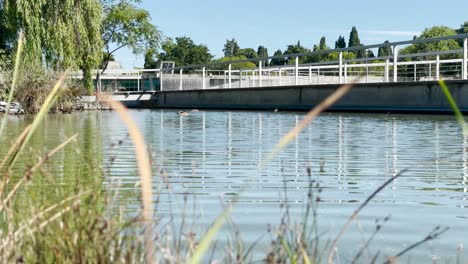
[{"x": 216, "y": 153}]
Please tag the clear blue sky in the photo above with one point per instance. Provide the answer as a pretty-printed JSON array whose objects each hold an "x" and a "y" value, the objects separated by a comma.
[{"x": 276, "y": 24}]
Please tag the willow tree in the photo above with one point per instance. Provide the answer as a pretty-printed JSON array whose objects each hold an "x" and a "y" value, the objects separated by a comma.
[{"x": 59, "y": 34}]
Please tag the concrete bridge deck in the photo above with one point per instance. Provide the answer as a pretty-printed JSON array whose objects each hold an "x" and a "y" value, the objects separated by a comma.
[{"x": 408, "y": 97}]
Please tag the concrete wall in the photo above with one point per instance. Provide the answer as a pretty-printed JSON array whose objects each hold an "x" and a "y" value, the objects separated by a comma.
[{"x": 387, "y": 97}]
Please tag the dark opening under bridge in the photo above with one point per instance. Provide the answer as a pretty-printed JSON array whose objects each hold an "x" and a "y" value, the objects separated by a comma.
[{"x": 396, "y": 83}]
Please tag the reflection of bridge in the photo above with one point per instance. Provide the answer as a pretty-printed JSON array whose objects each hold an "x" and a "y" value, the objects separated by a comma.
[{"x": 400, "y": 82}]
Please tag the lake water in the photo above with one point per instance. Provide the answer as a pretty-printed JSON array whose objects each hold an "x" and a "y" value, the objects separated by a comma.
[{"x": 214, "y": 155}]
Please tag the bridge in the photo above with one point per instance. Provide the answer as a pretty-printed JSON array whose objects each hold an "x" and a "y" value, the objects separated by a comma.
[{"x": 401, "y": 81}]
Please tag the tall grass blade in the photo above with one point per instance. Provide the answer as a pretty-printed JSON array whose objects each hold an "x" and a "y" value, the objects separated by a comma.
[
  {"x": 209, "y": 237},
  {"x": 144, "y": 168},
  {"x": 49, "y": 101},
  {"x": 456, "y": 110},
  {"x": 15, "y": 79}
]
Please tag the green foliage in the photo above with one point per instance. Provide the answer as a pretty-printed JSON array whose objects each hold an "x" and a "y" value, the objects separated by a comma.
[
  {"x": 262, "y": 52},
  {"x": 340, "y": 43},
  {"x": 66, "y": 33},
  {"x": 234, "y": 66},
  {"x": 385, "y": 51},
  {"x": 150, "y": 59},
  {"x": 184, "y": 52},
  {"x": 293, "y": 49},
  {"x": 249, "y": 53},
  {"x": 231, "y": 48},
  {"x": 126, "y": 25},
  {"x": 354, "y": 41},
  {"x": 278, "y": 61},
  {"x": 463, "y": 28},
  {"x": 444, "y": 45}
]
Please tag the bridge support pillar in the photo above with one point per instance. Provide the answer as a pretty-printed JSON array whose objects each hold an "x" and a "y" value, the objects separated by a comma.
[
  {"x": 345, "y": 70},
  {"x": 340, "y": 69},
  {"x": 465, "y": 59},
  {"x": 180, "y": 80},
  {"x": 204, "y": 78},
  {"x": 310, "y": 74},
  {"x": 387, "y": 69},
  {"x": 279, "y": 76},
  {"x": 260, "y": 73},
  {"x": 230, "y": 76},
  {"x": 297, "y": 71},
  {"x": 438, "y": 67},
  {"x": 395, "y": 64}
]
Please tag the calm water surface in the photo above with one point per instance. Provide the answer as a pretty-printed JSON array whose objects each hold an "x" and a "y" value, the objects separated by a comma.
[{"x": 214, "y": 155}]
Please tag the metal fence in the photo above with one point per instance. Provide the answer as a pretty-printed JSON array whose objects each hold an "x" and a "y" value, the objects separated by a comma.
[{"x": 424, "y": 66}]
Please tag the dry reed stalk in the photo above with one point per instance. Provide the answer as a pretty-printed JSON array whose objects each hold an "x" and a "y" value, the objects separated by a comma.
[
  {"x": 311, "y": 115},
  {"x": 144, "y": 168},
  {"x": 18, "y": 142},
  {"x": 30, "y": 172}
]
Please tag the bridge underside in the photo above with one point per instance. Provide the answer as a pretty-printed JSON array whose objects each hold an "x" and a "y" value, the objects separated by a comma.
[{"x": 416, "y": 97}]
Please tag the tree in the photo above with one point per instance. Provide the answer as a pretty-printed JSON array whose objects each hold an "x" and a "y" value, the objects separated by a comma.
[
  {"x": 126, "y": 25},
  {"x": 231, "y": 48},
  {"x": 340, "y": 43},
  {"x": 234, "y": 66},
  {"x": 293, "y": 49},
  {"x": 444, "y": 45},
  {"x": 184, "y": 52},
  {"x": 150, "y": 60},
  {"x": 278, "y": 61},
  {"x": 463, "y": 28},
  {"x": 262, "y": 52},
  {"x": 385, "y": 51},
  {"x": 354, "y": 41},
  {"x": 249, "y": 53},
  {"x": 320, "y": 47},
  {"x": 58, "y": 33}
]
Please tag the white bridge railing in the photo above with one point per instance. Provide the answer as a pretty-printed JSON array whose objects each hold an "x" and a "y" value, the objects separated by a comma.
[{"x": 426, "y": 66}]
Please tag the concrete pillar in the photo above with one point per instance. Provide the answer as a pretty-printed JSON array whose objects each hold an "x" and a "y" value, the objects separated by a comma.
[
  {"x": 318, "y": 75},
  {"x": 310, "y": 74},
  {"x": 260, "y": 73},
  {"x": 340, "y": 69},
  {"x": 204, "y": 78},
  {"x": 465, "y": 59},
  {"x": 438, "y": 67},
  {"x": 230, "y": 76},
  {"x": 297, "y": 71},
  {"x": 345, "y": 72},
  {"x": 415, "y": 72},
  {"x": 430, "y": 71},
  {"x": 387, "y": 68},
  {"x": 138, "y": 82},
  {"x": 367, "y": 74},
  {"x": 240, "y": 79},
  {"x": 180, "y": 80},
  {"x": 161, "y": 81},
  {"x": 279, "y": 75},
  {"x": 395, "y": 63}
]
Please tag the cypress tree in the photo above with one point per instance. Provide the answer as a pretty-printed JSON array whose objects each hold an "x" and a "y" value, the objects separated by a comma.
[{"x": 340, "y": 43}]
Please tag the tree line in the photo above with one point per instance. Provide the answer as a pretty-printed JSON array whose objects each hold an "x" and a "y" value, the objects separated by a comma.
[
  {"x": 184, "y": 51},
  {"x": 69, "y": 34}
]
